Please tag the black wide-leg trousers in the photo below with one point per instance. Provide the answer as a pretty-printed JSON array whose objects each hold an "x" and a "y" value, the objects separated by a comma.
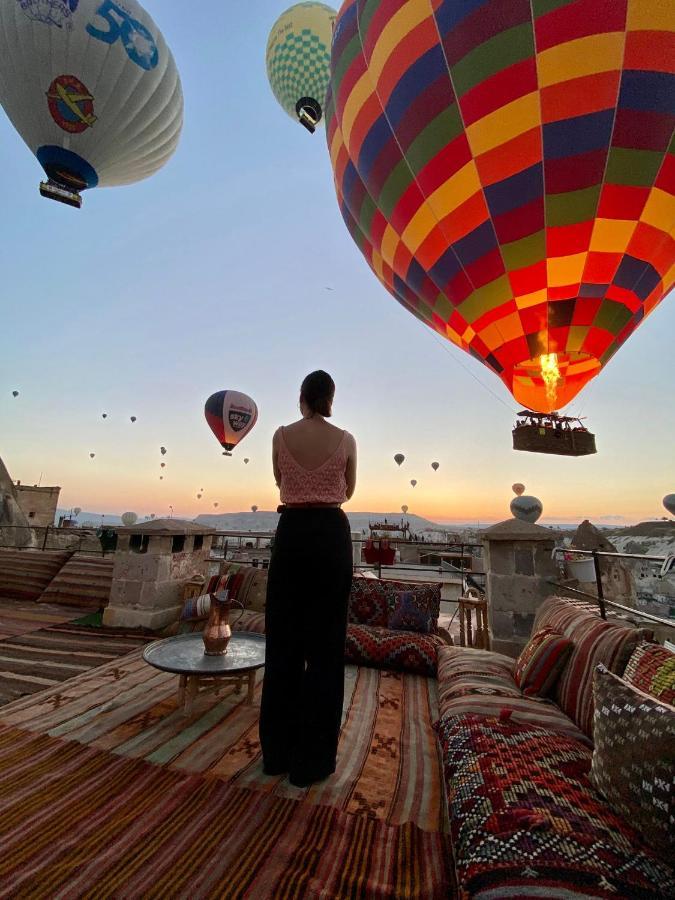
[{"x": 308, "y": 589}]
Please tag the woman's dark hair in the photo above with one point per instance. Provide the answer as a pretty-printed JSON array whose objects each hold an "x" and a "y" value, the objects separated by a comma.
[{"x": 317, "y": 392}]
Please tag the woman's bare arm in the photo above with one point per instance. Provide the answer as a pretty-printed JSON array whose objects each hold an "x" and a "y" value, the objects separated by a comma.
[
  {"x": 350, "y": 472},
  {"x": 275, "y": 458}
]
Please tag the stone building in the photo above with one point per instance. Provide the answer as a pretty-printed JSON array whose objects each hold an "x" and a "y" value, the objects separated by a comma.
[{"x": 38, "y": 503}]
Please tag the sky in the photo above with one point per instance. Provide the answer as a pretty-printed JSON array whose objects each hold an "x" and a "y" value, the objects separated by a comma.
[{"x": 213, "y": 274}]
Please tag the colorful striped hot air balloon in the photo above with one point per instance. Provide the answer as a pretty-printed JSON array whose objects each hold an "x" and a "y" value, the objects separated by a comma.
[{"x": 503, "y": 166}]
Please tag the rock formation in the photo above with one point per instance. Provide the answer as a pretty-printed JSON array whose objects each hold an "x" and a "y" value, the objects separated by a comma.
[{"x": 15, "y": 531}]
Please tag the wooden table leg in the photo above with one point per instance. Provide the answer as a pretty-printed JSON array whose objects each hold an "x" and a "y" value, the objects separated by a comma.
[
  {"x": 251, "y": 687},
  {"x": 182, "y": 680},
  {"x": 191, "y": 692}
]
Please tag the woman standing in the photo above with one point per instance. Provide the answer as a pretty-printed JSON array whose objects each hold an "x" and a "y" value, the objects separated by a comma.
[{"x": 307, "y": 591}]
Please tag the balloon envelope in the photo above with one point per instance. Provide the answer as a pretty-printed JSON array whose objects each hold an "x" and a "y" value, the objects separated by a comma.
[
  {"x": 298, "y": 60},
  {"x": 129, "y": 518},
  {"x": 518, "y": 489},
  {"x": 435, "y": 466},
  {"x": 230, "y": 415},
  {"x": 398, "y": 458},
  {"x": 91, "y": 87},
  {"x": 404, "y": 509},
  {"x": 92, "y": 455},
  {"x": 527, "y": 509},
  {"x": 162, "y": 450},
  {"x": 77, "y": 510},
  {"x": 503, "y": 167},
  {"x": 254, "y": 508},
  {"x": 246, "y": 461},
  {"x": 413, "y": 482},
  {"x": 15, "y": 393},
  {"x": 669, "y": 503}
]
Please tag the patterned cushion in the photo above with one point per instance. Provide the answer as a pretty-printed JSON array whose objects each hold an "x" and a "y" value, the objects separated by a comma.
[
  {"x": 651, "y": 668},
  {"x": 541, "y": 662},
  {"x": 368, "y": 603},
  {"x": 247, "y": 583},
  {"x": 409, "y": 614},
  {"x": 403, "y": 651},
  {"x": 596, "y": 642},
  {"x": 634, "y": 758},
  {"x": 426, "y": 599},
  {"x": 526, "y": 822},
  {"x": 481, "y": 682}
]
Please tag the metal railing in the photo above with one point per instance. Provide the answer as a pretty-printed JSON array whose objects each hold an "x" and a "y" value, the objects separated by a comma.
[
  {"x": 51, "y": 537},
  {"x": 667, "y": 568}
]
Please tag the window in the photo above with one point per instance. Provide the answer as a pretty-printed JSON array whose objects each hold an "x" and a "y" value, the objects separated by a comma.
[
  {"x": 138, "y": 543},
  {"x": 199, "y": 541},
  {"x": 31, "y": 515},
  {"x": 178, "y": 543}
]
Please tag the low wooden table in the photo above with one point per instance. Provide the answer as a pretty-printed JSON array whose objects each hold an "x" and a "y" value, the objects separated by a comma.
[{"x": 183, "y": 655}]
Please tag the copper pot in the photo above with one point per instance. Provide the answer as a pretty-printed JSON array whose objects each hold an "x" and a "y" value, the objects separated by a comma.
[{"x": 218, "y": 632}]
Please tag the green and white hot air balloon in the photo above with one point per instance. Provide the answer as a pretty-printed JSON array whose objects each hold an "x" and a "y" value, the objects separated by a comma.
[{"x": 298, "y": 60}]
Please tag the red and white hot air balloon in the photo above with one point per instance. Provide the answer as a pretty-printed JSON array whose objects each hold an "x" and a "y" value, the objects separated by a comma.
[
  {"x": 230, "y": 416},
  {"x": 518, "y": 489}
]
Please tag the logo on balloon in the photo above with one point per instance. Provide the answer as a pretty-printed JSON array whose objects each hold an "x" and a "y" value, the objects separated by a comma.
[
  {"x": 238, "y": 418},
  {"x": 50, "y": 12},
  {"x": 70, "y": 104},
  {"x": 139, "y": 44}
]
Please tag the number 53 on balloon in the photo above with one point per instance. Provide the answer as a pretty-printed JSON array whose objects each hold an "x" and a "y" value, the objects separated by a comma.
[{"x": 137, "y": 40}]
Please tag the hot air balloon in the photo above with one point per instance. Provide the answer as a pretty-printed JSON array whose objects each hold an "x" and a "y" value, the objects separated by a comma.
[
  {"x": 518, "y": 489},
  {"x": 129, "y": 519},
  {"x": 435, "y": 466},
  {"x": 77, "y": 510},
  {"x": 246, "y": 461},
  {"x": 162, "y": 450},
  {"x": 152, "y": 515},
  {"x": 503, "y": 168},
  {"x": 669, "y": 503},
  {"x": 215, "y": 505},
  {"x": 298, "y": 61},
  {"x": 92, "y": 88},
  {"x": 254, "y": 508},
  {"x": 527, "y": 509},
  {"x": 404, "y": 509},
  {"x": 398, "y": 458},
  {"x": 413, "y": 482},
  {"x": 104, "y": 415},
  {"x": 230, "y": 415},
  {"x": 92, "y": 455},
  {"x": 132, "y": 418},
  {"x": 162, "y": 465},
  {"x": 161, "y": 478},
  {"x": 199, "y": 496},
  {"x": 15, "y": 393}
]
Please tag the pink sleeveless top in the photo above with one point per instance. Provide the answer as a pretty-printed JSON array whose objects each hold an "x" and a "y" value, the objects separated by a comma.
[{"x": 325, "y": 484}]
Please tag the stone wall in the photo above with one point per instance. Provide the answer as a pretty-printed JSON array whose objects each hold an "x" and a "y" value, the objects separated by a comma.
[{"x": 38, "y": 503}]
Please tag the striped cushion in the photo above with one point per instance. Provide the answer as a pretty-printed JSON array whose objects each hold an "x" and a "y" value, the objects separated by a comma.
[
  {"x": 651, "y": 668},
  {"x": 596, "y": 642},
  {"x": 541, "y": 662},
  {"x": 481, "y": 682}
]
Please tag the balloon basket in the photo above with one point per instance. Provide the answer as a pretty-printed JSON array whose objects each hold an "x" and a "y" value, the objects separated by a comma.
[{"x": 53, "y": 191}]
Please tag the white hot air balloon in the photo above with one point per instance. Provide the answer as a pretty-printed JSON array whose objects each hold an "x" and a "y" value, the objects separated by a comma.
[
  {"x": 92, "y": 88},
  {"x": 527, "y": 509},
  {"x": 669, "y": 503},
  {"x": 129, "y": 519},
  {"x": 518, "y": 489}
]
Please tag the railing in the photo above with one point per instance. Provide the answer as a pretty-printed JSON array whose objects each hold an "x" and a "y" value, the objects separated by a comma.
[
  {"x": 51, "y": 537},
  {"x": 667, "y": 568}
]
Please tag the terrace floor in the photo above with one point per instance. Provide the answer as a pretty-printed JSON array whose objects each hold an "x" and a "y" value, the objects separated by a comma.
[{"x": 107, "y": 789}]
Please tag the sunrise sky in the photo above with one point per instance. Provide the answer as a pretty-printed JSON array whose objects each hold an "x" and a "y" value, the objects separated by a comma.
[{"x": 232, "y": 268}]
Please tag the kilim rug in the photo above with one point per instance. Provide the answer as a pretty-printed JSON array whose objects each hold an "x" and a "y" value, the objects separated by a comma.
[
  {"x": 35, "y": 660},
  {"x": 388, "y": 762},
  {"x": 22, "y": 616},
  {"x": 80, "y": 822}
]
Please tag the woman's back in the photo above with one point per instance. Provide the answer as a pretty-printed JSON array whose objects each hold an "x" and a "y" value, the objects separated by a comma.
[{"x": 311, "y": 459}]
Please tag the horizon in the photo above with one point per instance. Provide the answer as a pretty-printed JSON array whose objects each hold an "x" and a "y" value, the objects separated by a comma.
[{"x": 232, "y": 268}]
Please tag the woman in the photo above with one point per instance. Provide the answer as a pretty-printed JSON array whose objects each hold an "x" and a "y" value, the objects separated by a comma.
[{"x": 308, "y": 588}]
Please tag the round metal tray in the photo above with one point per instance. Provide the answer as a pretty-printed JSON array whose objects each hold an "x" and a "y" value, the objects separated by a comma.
[{"x": 184, "y": 655}]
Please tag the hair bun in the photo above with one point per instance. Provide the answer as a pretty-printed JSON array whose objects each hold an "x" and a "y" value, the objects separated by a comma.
[{"x": 317, "y": 392}]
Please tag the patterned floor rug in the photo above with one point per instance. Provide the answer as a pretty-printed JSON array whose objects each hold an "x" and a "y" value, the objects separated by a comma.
[
  {"x": 33, "y": 660},
  {"x": 80, "y": 822},
  {"x": 388, "y": 763},
  {"x": 22, "y": 616}
]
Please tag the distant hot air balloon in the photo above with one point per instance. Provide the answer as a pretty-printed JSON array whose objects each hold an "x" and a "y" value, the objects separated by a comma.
[
  {"x": 230, "y": 415},
  {"x": 215, "y": 504},
  {"x": 162, "y": 465},
  {"x": 133, "y": 418},
  {"x": 404, "y": 509},
  {"x": 518, "y": 489},
  {"x": 246, "y": 461},
  {"x": 77, "y": 510},
  {"x": 92, "y": 455},
  {"x": 298, "y": 61},
  {"x": 669, "y": 503},
  {"x": 413, "y": 482},
  {"x": 161, "y": 478},
  {"x": 162, "y": 450},
  {"x": 527, "y": 509},
  {"x": 104, "y": 415},
  {"x": 152, "y": 515},
  {"x": 398, "y": 458},
  {"x": 15, "y": 393},
  {"x": 435, "y": 466},
  {"x": 503, "y": 167},
  {"x": 129, "y": 519},
  {"x": 92, "y": 88},
  {"x": 199, "y": 496},
  {"x": 254, "y": 508}
]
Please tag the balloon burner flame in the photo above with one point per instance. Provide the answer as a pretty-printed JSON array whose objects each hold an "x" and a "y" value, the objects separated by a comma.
[{"x": 551, "y": 375}]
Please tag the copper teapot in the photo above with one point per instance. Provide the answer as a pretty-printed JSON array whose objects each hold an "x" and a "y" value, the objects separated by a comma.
[{"x": 218, "y": 632}]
